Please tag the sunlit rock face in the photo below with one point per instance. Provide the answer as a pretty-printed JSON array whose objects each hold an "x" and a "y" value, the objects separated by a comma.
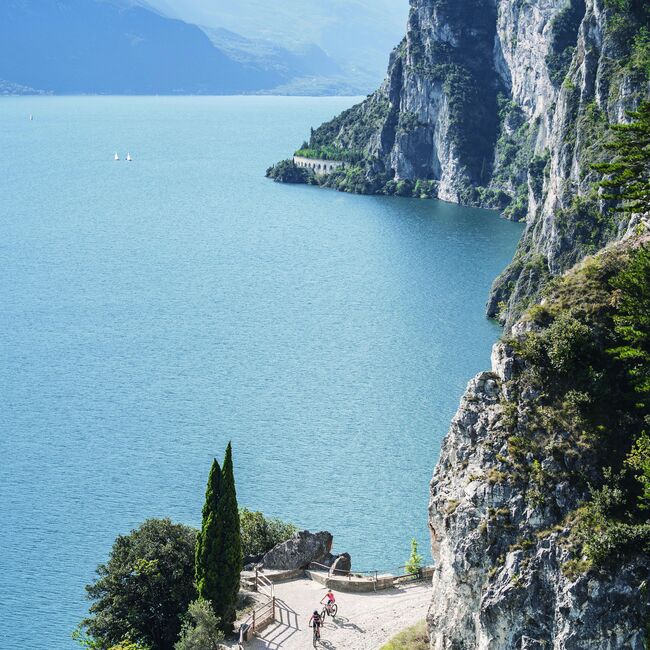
[{"x": 504, "y": 104}]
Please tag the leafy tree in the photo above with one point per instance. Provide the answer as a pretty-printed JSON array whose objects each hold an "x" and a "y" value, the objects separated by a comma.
[
  {"x": 260, "y": 534},
  {"x": 201, "y": 628},
  {"x": 629, "y": 172},
  {"x": 414, "y": 563},
  {"x": 143, "y": 590},
  {"x": 219, "y": 549}
]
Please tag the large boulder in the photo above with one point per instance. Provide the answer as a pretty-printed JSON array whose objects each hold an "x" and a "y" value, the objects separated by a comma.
[{"x": 299, "y": 551}]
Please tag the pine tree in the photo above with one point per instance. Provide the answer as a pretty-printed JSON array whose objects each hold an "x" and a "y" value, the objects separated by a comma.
[
  {"x": 231, "y": 558},
  {"x": 209, "y": 540},
  {"x": 629, "y": 172}
]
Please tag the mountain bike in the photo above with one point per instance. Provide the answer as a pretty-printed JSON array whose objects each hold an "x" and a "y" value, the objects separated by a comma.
[
  {"x": 316, "y": 635},
  {"x": 331, "y": 609}
]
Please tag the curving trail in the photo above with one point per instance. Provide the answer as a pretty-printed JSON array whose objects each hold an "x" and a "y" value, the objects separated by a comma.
[{"x": 364, "y": 622}]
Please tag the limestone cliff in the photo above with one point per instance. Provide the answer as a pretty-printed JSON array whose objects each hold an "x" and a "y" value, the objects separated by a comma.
[
  {"x": 537, "y": 543},
  {"x": 504, "y": 104},
  {"x": 538, "y": 537}
]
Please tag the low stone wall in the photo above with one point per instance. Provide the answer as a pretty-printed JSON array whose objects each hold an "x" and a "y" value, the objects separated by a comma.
[
  {"x": 318, "y": 165},
  {"x": 283, "y": 576},
  {"x": 353, "y": 583}
]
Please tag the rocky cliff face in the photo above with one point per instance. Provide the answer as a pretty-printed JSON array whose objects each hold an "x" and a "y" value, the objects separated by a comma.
[
  {"x": 537, "y": 535},
  {"x": 503, "y": 103},
  {"x": 519, "y": 496}
]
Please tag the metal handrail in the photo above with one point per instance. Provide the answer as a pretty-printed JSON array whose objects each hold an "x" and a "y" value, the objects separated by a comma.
[
  {"x": 265, "y": 584},
  {"x": 350, "y": 573},
  {"x": 266, "y": 587}
]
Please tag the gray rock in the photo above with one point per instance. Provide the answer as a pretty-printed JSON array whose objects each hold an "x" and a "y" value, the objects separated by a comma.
[
  {"x": 299, "y": 551},
  {"x": 490, "y": 594}
]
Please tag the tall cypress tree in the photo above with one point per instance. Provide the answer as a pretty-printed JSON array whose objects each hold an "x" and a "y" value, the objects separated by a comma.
[
  {"x": 231, "y": 558},
  {"x": 209, "y": 540},
  {"x": 219, "y": 556}
]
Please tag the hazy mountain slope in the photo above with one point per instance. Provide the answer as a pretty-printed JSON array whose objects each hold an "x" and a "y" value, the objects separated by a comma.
[
  {"x": 306, "y": 69},
  {"x": 357, "y": 34},
  {"x": 101, "y": 46}
]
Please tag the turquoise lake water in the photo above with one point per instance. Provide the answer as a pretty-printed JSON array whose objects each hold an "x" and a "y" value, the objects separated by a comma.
[{"x": 154, "y": 310}]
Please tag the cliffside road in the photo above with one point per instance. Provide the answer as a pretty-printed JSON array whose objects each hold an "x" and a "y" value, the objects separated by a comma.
[{"x": 365, "y": 621}]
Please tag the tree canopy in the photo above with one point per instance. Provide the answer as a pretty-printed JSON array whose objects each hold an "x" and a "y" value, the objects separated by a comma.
[{"x": 143, "y": 590}]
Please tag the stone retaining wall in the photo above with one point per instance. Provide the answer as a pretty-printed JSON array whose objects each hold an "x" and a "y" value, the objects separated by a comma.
[{"x": 318, "y": 165}]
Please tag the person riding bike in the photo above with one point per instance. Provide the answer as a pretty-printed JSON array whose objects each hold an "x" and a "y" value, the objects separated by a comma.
[
  {"x": 328, "y": 600},
  {"x": 316, "y": 621}
]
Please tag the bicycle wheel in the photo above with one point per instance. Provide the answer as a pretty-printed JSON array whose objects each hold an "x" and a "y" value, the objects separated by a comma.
[
  {"x": 315, "y": 637},
  {"x": 333, "y": 610},
  {"x": 323, "y": 614}
]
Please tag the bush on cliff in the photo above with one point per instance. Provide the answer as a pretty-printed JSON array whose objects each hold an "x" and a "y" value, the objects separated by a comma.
[{"x": 587, "y": 358}]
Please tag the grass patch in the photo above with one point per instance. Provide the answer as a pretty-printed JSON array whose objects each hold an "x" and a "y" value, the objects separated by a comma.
[{"x": 413, "y": 638}]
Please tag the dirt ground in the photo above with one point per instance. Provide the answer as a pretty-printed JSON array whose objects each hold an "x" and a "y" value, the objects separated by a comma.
[{"x": 364, "y": 621}]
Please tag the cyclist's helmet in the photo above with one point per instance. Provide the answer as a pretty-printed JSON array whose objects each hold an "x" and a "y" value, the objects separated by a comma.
[{"x": 316, "y": 612}]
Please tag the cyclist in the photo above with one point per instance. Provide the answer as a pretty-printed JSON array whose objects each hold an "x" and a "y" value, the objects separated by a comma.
[
  {"x": 329, "y": 597},
  {"x": 316, "y": 621}
]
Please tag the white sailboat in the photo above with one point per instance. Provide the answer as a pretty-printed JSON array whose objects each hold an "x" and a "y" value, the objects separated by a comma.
[
  {"x": 128, "y": 157},
  {"x": 31, "y": 117},
  {"x": 116, "y": 157}
]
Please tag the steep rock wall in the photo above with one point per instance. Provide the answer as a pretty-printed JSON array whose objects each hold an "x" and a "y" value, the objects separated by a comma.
[
  {"x": 504, "y": 104},
  {"x": 511, "y": 494}
]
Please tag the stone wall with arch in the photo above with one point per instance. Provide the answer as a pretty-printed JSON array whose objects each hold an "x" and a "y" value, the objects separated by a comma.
[{"x": 317, "y": 165}]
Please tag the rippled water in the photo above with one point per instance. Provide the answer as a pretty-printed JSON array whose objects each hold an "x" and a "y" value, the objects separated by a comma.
[{"x": 152, "y": 311}]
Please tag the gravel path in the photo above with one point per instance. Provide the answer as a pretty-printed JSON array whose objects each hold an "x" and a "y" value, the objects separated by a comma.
[{"x": 364, "y": 622}]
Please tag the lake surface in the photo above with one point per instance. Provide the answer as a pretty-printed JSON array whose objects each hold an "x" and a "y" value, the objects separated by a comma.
[{"x": 154, "y": 310}]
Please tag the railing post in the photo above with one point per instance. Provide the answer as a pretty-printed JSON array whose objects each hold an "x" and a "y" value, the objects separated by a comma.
[
  {"x": 253, "y": 621},
  {"x": 273, "y": 599}
]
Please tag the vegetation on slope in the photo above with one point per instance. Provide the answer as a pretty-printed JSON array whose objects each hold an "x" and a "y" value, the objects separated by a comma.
[{"x": 581, "y": 407}]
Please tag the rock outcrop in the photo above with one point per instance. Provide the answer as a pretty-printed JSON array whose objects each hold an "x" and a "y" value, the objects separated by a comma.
[
  {"x": 504, "y": 104},
  {"x": 303, "y": 549},
  {"x": 525, "y": 553}
]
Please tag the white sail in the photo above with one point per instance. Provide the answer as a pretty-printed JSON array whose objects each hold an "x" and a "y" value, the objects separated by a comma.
[
  {"x": 128, "y": 157},
  {"x": 116, "y": 157}
]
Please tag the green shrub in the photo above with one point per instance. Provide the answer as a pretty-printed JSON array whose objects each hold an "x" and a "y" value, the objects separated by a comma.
[
  {"x": 260, "y": 534},
  {"x": 639, "y": 462},
  {"x": 201, "y": 628},
  {"x": 415, "y": 561}
]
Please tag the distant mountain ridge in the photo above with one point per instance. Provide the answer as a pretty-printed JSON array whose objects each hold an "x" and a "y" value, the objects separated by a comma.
[
  {"x": 128, "y": 47},
  {"x": 356, "y": 34}
]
